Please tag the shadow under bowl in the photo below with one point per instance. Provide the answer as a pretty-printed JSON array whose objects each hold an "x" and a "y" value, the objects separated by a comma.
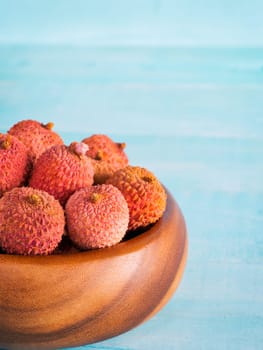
[{"x": 66, "y": 300}]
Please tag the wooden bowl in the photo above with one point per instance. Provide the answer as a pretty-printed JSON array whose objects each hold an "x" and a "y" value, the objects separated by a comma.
[{"x": 74, "y": 299}]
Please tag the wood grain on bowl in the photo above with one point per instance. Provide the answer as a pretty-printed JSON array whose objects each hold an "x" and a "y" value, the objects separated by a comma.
[{"x": 74, "y": 299}]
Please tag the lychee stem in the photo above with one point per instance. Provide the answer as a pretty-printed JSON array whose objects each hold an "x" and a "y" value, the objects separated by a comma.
[
  {"x": 33, "y": 199},
  {"x": 99, "y": 155},
  {"x": 121, "y": 145},
  {"x": 48, "y": 126},
  {"x": 6, "y": 143},
  {"x": 95, "y": 197},
  {"x": 147, "y": 179}
]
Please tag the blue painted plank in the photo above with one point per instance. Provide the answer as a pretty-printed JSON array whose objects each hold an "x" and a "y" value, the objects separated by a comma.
[{"x": 195, "y": 118}]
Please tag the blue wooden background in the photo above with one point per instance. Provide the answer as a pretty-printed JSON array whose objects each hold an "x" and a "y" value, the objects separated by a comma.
[{"x": 181, "y": 82}]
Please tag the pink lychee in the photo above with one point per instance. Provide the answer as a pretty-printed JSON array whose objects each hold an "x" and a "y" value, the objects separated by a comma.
[
  {"x": 13, "y": 162},
  {"x": 37, "y": 137},
  {"x": 31, "y": 222},
  {"x": 143, "y": 192},
  {"x": 97, "y": 217},
  {"x": 62, "y": 170},
  {"x": 107, "y": 156}
]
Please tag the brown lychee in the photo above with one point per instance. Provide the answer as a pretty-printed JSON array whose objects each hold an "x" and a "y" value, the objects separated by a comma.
[
  {"x": 37, "y": 137},
  {"x": 31, "y": 222},
  {"x": 97, "y": 217},
  {"x": 107, "y": 156},
  {"x": 62, "y": 170},
  {"x": 145, "y": 195},
  {"x": 13, "y": 163}
]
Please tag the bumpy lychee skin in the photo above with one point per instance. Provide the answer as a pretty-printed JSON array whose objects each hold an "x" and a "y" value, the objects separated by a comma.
[
  {"x": 97, "y": 217},
  {"x": 31, "y": 222},
  {"x": 144, "y": 194},
  {"x": 13, "y": 163},
  {"x": 62, "y": 170},
  {"x": 107, "y": 156},
  {"x": 37, "y": 137}
]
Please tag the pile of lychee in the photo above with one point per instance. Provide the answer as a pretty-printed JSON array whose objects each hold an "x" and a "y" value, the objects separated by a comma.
[{"x": 86, "y": 193}]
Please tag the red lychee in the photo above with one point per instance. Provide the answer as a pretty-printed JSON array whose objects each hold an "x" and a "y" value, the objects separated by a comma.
[
  {"x": 31, "y": 222},
  {"x": 143, "y": 192},
  {"x": 13, "y": 163},
  {"x": 107, "y": 156},
  {"x": 97, "y": 217},
  {"x": 62, "y": 170},
  {"x": 37, "y": 137}
]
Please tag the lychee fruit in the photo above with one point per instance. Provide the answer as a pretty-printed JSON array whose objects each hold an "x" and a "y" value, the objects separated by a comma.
[
  {"x": 97, "y": 217},
  {"x": 13, "y": 163},
  {"x": 107, "y": 156},
  {"x": 37, "y": 137},
  {"x": 31, "y": 222},
  {"x": 145, "y": 195},
  {"x": 62, "y": 170}
]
